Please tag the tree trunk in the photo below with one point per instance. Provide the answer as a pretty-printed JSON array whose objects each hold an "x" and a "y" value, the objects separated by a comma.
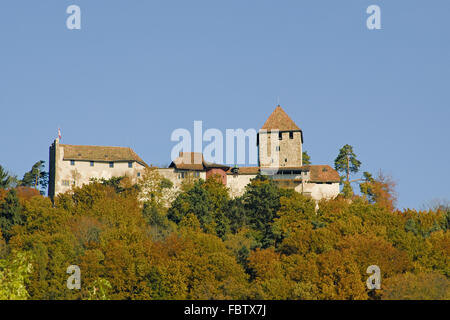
[{"x": 348, "y": 168}]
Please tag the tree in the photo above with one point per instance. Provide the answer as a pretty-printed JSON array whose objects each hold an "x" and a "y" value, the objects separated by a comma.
[
  {"x": 261, "y": 202},
  {"x": 10, "y": 214},
  {"x": 6, "y": 180},
  {"x": 295, "y": 213},
  {"x": 380, "y": 190},
  {"x": 14, "y": 273},
  {"x": 36, "y": 177},
  {"x": 156, "y": 190},
  {"x": 437, "y": 204},
  {"x": 306, "y": 159},
  {"x": 422, "y": 286},
  {"x": 347, "y": 190},
  {"x": 99, "y": 290},
  {"x": 346, "y": 161},
  {"x": 340, "y": 277},
  {"x": 120, "y": 184},
  {"x": 207, "y": 200}
]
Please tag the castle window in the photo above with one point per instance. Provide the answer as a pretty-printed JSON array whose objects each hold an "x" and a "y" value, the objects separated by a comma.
[
  {"x": 291, "y": 135},
  {"x": 280, "y": 136},
  {"x": 66, "y": 183},
  {"x": 196, "y": 174},
  {"x": 92, "y": 163},
  {"x": 111, "y": 164},
  {"x": 130, "y": 164},
  {"x": 72, "y": 162},
  {"x": 277, "y": 148},
  {"x": 138, "y": 174},
  {"x": 285, "y": 160}
]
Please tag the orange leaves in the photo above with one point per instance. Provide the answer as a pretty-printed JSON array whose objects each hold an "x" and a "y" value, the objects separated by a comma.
[
  {"x": 421, "y": 286},
  {"x": 307, "y": 255},
  {"x": 381, "y": 191},
  {"x": 265, "y": 264},
  {"x": 369, "y": 250},
  {"x": 339, "y": 278}
]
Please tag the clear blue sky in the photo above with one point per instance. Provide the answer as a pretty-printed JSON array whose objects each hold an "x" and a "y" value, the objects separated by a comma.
[{"x": 137, "y": 70}]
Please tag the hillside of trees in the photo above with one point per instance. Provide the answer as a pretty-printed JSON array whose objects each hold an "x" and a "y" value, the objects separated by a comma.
[{"x": 146, "y": 242}]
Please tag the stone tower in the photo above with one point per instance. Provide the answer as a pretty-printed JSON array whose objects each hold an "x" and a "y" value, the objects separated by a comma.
[{"x": 280, "y": 142}]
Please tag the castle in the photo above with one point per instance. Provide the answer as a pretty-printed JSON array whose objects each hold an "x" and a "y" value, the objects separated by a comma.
[{"x": 279, "y": 144}]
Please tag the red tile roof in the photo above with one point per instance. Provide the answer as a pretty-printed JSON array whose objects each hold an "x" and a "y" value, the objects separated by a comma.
[
  {"x": 279, "y": 120},
  {"x": 322, "y": 173}
]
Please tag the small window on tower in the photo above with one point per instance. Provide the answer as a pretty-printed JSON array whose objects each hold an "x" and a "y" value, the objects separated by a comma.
[
  {"x": 72, "y": 162},
  {"x": 277, "y": 148},
  {"x": 280, "y": 136},
  {"x": 291, "y": 135},
  {"x": 111, "y": 164},
  {"x": 130, "y": 164},
  {"x": 92, "y": 163}
]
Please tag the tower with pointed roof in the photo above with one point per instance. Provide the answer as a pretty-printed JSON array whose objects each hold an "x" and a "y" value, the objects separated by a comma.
[{"x": 280, "y": 142}]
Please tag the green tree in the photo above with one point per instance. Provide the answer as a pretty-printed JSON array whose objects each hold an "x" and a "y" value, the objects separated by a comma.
[
  {"x": 346, "y": 161},
  {"x": 237, "y": 214},
  {"x": 14, "y": 273},
  {"x": 347, "y": 190},
  {"x": 99, "y": 290},
  {"x": 207, "y": 200},
  {"x": 120, "y": 184},
  {"x": 306, "y": 159},
  {"x": 262, "y": 201},
  {"x": 36, "y": 177},
  {"x": 10, "y": 214},
  {"x": 6, "y": 180}
]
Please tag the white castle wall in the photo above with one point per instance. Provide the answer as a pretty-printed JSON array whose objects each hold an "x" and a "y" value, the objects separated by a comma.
[
  {"x": 318, "y": 191},
  {"x": 68, "y": 176},
  {"x": 237, "y": 183}
]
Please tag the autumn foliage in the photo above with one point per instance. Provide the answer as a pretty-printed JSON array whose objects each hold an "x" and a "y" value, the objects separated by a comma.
[{"x": 130, "y": 242}]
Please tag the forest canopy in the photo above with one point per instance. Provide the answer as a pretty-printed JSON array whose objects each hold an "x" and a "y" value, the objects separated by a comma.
[{"x": 146, "y": 241}]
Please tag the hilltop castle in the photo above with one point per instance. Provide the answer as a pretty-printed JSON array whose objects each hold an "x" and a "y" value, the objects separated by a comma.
[{"x": 279, "y": 144}]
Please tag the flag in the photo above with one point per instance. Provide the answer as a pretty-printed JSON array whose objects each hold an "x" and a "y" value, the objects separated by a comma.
[{"x": 59, "y": 133}]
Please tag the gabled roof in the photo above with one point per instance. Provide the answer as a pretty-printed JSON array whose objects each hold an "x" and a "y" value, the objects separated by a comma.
[
  {"x": 279, "y": 120},
  {"x": 194, "y": 161},
  {"x": 100, "y": 154},
  {"x": 322, "y": 173}
]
